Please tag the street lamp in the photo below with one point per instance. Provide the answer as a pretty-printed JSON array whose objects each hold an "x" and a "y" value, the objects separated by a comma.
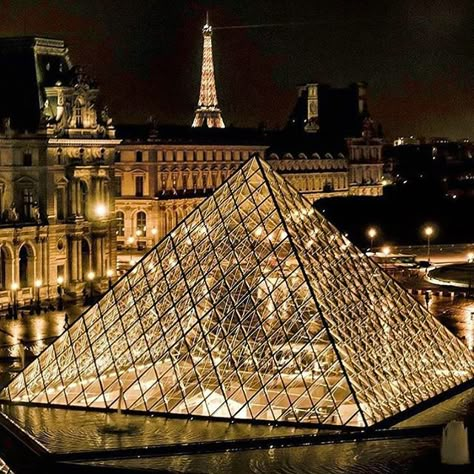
[
  {"x": 100, "y": 210},
  {"x": 386, "y": 251},
  {"x": 90, "y": 277},
  {"x": 60, "y": 281},
  {"x": 372, "y": 233},
  {"x": 130, "y": 241},
  {"x": 154, "y": 233},
  {"x": 14, "y": 288},
  {"x": 38, "y": 284},
  {"x": 428, "y": 232},
  {"x": 110, "y": 274}
]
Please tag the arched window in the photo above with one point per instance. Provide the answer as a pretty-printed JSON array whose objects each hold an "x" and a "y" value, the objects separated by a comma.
[
  {"x": 120, "y": 223},
  {"x": 26, "y": 266},
  {"x": 141, "y": 222}
]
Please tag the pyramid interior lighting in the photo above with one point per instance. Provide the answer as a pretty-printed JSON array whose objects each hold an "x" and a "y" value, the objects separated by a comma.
[{"x": 254, "y": 307}]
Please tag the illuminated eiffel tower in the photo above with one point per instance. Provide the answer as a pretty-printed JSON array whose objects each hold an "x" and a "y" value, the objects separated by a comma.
[{"x": 207, "y": 112}]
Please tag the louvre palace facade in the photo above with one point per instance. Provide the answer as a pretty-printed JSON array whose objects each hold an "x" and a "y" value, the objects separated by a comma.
[{"x": 57, "y": 228}]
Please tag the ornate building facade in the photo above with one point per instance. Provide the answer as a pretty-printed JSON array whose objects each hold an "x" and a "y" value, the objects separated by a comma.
[
  {"x": 57, "y": 230},
  {"x": 160, "y": 178}
]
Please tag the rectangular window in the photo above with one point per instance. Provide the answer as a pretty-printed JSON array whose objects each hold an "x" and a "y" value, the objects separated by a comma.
[
  {"x": 27, "y": 203},
  {"x": 60, "y": 204},
  {"x": 139, "y": 156},
  {"x": 118, "y": 185},
  {"x": 117, "y": 156},
  {"x": 139, "y": 186},
  {"x": 27, "y": 158}
]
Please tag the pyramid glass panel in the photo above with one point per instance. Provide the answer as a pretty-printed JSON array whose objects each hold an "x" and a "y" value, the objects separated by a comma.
[{"x": 254, "y": 307}]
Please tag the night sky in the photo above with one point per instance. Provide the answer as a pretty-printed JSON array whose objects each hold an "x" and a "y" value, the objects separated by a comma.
[{"x": 417, "y": 56}]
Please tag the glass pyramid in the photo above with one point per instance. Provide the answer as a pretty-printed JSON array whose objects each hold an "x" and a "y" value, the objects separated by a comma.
[{"x": 253, "y": 307}]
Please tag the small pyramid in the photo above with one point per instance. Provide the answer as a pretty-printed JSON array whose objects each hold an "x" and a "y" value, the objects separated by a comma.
[{"x": 254, "y": 307}]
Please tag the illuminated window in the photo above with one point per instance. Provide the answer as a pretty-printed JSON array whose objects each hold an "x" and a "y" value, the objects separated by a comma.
[
  {"x": 141, "y": 223},
  {"x": 119, "y": 215}
]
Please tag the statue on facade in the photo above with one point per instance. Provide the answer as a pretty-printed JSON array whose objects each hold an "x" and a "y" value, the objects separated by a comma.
[
  {"x": 11, "y": 214},
  {"x": 36, "y": 212},
  {"x": 368, "y": 128},
  {"x": 105, "y": 116}
]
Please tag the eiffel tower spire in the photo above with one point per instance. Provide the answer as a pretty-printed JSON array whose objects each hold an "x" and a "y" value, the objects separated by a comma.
[{"x": 207, "y": 112}]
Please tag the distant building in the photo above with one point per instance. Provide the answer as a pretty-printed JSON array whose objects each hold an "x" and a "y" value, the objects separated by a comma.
[
  {"x": 331, "y": 146},
  {"x": 163, "y": 173},
  {"x": 56, "y": 157},
  {"x": 443, "y": 162}
]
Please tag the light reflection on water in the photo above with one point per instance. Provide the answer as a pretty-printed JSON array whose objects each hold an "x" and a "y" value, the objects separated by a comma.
[
  {"x": 63, "y": 430},
  {"x": 378, "y": 457}
]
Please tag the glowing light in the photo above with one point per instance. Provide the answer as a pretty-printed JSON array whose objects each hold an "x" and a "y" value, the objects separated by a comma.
[
  {"x": 428, "y": 231},
  {"x": 138, "y": 232},
  {"x": 110, "y": 273},
  {"x": 130, "y": 240},
  {"x": 386, "y": 250},
  {"x": 91, "y": 276},
  {"x": 60, "y": 280},
  {"x": 38, "y": 283},
  {"x": 372, "y": 232},
  {"x": 470, "y": 257},
  {"x": 14, "y": 286},
  {"x": 100, "y": 210},
  {"x": 154, "y": 231}
]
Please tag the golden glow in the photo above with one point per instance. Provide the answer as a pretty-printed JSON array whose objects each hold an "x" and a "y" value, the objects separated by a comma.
[
  {"x": 14, "y": 286},
  {"x": 100, "y": 210},
  {"x": 386, "y": 250},
  {"x": 38, "y": 283},
  {"x": 470, "y": 257},
  {"x": 428, "y": 231},
  {"x": 212, "y": 324},
  {"x": 130, "y": 240},
  {"x": 90, "y": 276},
  {"x": 154, "y": 231},
  {"x": 60, "y": 280},
  {"x": 110, "y": 273},
  {"x": 372, "y": 232},
  {"x": 138, "y": 232}
]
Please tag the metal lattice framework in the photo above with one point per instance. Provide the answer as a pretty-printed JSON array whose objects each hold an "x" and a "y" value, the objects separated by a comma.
[
  {"x": 207, "y": 113},
  {"x": 253, "y": 307}
]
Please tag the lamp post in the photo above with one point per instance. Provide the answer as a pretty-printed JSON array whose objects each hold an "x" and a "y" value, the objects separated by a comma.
[
  {"x": 154, "y": 233},
  {"x": 38, "y": 284},
  {"x": 90, "y": 277},
  {"x": 138, "y": 233},
  {"x": 110, "y": 274},
  {"x": 386, "y": 251},
  {"x": 428, "y": 232},
  {"x": 130, "y": 241},
  {"x": 372, "y": 233},
  {"x": 60, "y": 281},
  {"x": 14, "y": 288}
]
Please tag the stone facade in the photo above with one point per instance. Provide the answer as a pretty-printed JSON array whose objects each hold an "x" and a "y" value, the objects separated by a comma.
[
  {"x": 57, "y": 230},
  {"x": 158, "y": 184}
]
